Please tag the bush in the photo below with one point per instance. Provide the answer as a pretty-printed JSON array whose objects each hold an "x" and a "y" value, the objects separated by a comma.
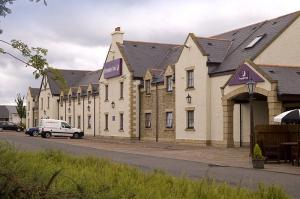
[
  {"x": 52, "y": 174},
  {"x": 257, "y": 154}
]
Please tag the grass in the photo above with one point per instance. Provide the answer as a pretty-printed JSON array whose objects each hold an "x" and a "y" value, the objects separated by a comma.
[{"x": 53, "y": 174}]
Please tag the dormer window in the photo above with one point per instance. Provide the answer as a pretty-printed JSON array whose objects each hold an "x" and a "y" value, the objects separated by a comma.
[
  {"x": 169, "y": 82},
  {"x": 69, "y": 100},
  {"x": 61, "y": 100},
  {"x": 254, "y": 41},
  {"x": 78, "y": 98},
  {"x": 147, "y": 87}
]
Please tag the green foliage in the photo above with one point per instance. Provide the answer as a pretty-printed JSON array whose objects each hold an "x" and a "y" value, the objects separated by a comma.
[
  {"x": 257, "y": 154},
  {"x": 58, "y": 77},
  {"x": 21, "y": 109},
  {"x": 52, "y": 174}
]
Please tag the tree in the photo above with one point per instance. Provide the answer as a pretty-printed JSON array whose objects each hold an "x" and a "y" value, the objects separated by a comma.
[{"x": 21, "y": 110}]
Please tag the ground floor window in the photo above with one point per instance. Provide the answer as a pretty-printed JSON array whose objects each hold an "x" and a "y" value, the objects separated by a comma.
[
  {"x": 190, "y": 119},
  {"x": 169, "y": 119},
  {"x": 89, "y": 122},
  {"x": 106, "y": 122},
  {"x": 61, "y": 118},
  {"x": 35, "y": 122},
  {"x": 148, "y": 120},
  {"x": 70, "y": 120},
  {"x": 78, "y": 121},
  {"x": 121, "y": 121}
]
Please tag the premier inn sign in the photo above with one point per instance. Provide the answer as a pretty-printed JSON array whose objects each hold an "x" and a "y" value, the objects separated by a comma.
[
  {"x": 112, "y": 68},
  {"x": 243, "y": 74}
]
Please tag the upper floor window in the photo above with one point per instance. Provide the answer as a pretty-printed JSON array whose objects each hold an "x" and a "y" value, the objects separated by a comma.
[
  {"x": 190, "y": 78},
  {"x": 78, "y": 98},
  {"x": 147, "y": 87},
  {"x": 121, "y": 90},
  {"x": 28, "y": 106},
  {"x": 70, "y": 120},
  {"x": 106, "y": 92},
  {"x": 78, "y": 121},
  {"x": 148, "y": 120},
  {"x": 69, "y": 100},
  {"x": 48, "y": 102},
  {"x": 61, "y": 100},
  {"x": 169, "y": 83}
]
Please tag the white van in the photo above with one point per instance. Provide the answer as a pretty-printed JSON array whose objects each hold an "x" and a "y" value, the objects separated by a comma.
[{"x": 51, "y": 127}]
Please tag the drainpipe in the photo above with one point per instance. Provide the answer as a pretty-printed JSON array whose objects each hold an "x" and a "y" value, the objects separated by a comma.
[
  {"x": 94, "y": 116},
  {"x": 58, "y": 109},
  {"x": 241, "y": 125},
  {"x": 83, "y": 113},
  {"x": 156, "y": 95},
  {"x": 32, "y": 118},
  {"x": 65, "y": 110},
  {"x": 74, "y": 113},
  {"x": 140, "y": 103}
]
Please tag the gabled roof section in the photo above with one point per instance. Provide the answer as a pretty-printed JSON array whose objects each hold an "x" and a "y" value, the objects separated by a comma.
[
  {"x": 241, "y": 38},
  {"x": 73, "y": 78},
  {"x": 142, "y": 55},
  {"x": 4, "y": 114},
  {"x": 288, "y": 78},
  {"x": 215, "y": 49},
  {"x": 34, "y": 92}
]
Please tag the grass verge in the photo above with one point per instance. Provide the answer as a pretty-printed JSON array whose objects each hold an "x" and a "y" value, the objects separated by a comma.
[{"x": 53, "y": 174}]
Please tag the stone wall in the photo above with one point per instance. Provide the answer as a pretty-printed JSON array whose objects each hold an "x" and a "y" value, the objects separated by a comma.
[{"x": 166, "y": 103}]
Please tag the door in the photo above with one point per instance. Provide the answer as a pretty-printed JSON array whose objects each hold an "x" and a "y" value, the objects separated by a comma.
[{"x": 66, "y": 129}]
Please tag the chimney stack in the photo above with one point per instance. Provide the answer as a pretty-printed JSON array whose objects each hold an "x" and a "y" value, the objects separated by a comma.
[{"x": 117, "y": 35}]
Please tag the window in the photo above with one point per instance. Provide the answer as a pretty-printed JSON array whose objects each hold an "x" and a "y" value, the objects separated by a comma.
[
  {"x": 65, "y": 125},
  {"x": 89, "y": 122},
  {"x": 190, "y": 78},
  {"x": 121, "y": 121},
  {"x": 169, "y": 83},
  {"x": 42, "y": 103},
  {"x": 78, "y": 98},
  {"x": 121, "y": 89},
  {"x": 48, "y": 102},
  {"x": 61, "y": 118},
  {"x": 35, "y": 122},
  {"x": 148, "y": 120},
  {"x": 78, "y": 121},
  {"x": 89, "y": 95},
  {"x": 61, "y": 101},
  {"x": 106, "y": 92},
  {"x": 28, "y": 106},
  {"x": 254, "y": 41},
  {"x": 70, "y": 120},
  {"x": 190, "y": 119},
  {"x": 106, "y": 122},
  {"x": 169, "y": 119},
  {"x": 69, "y": 100},
  {"x": 147, "y": 87}
]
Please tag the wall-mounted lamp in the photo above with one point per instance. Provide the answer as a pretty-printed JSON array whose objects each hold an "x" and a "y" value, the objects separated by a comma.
[
  {"x": 113, "y": 104},
  {"x": 189, "y": 99}
]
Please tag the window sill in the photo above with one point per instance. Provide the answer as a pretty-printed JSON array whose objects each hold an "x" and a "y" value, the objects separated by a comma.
[
  {"x": 106, "y": 130},
  {"x": 148, "y": 128},
  {"x": 190, "y": 129},
  {"x": 148, "y": 94},
  {"x": 121, "y": 98},
  {"x": 190, "y": 89},
  {"x": 106, "y": 100},
  {"x": 121, "y": 130},
  {"x": 170, "y": 92}
]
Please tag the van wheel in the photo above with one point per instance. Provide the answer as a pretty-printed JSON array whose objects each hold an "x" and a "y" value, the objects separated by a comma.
[
  {"x": 35, "y": 133},
  {"x": 75, "y": 135},
  {"x": 47, "y": 135}
]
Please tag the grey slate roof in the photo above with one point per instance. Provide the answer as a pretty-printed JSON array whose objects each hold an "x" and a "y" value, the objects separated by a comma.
[
  {"x": 240, "y": 38},
  {"x": 144, "y": 55},
  {"x": 12, "y": 109},
  {"x": 216, "y": 49},
  {"x": 288, "y": 78},
  {"x": 4, "y": 114},
  {"x": 74, "y": 78},
  {"x": 34, "y": 92}
]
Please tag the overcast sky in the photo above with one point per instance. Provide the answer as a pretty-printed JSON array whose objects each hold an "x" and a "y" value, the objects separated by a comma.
[{"x": 77, "y": 33}]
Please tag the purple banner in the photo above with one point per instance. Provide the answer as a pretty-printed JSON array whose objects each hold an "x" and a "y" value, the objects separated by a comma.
[
  {"x": 112, "y": 68},
  {"x": 243, "y": 74}
]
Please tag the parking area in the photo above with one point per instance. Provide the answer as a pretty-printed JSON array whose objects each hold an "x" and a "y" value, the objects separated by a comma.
[{"x": 230, "y": 157}]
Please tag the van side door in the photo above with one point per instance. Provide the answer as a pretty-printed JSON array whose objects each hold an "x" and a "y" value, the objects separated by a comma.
[{"x": 66, "y": 129}]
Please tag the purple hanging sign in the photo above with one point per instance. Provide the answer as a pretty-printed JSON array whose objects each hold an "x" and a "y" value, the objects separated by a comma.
[
  {"x": 243, "y": 74},
  {"x": 113, "y": 68}
]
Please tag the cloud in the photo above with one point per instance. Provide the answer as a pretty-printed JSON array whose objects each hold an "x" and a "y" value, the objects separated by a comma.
[{"x": 77, "y": 33}]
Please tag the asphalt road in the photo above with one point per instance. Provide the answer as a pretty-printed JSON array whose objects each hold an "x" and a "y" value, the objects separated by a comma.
[{"x": 235, "y": 176}]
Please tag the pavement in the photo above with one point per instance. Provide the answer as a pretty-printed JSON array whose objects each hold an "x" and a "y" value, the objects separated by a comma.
[{"x": 232, "y": 166}]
